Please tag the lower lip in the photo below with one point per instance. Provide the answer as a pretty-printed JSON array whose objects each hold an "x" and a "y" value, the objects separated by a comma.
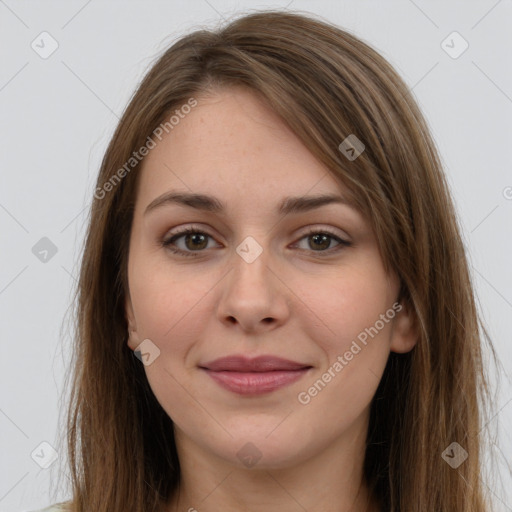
[{"x": 255, "y": 383}]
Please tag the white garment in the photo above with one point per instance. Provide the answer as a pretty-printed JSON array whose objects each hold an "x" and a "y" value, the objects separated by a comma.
[{"x": 52, "y": 508}]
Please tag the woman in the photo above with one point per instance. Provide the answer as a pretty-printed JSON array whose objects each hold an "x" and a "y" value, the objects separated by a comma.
[{"x": 274, "y": 307}]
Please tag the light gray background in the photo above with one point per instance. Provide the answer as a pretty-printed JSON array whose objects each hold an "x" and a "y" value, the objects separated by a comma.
[{"x": 57, "y": 115}]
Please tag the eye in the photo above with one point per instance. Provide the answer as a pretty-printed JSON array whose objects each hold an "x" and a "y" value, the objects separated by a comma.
[
  {"x": 322, "y": 239},
  {"x": 196, "y": 240}
]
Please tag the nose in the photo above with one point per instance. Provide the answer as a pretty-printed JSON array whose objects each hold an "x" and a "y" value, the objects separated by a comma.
[{"x": 253, "y": 295}]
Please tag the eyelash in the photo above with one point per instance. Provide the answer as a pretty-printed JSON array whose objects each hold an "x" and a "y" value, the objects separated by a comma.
[{"x": 168, "y": 243}]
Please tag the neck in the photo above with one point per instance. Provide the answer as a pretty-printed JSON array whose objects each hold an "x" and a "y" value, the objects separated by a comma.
[{"x": 329, "y": 481}]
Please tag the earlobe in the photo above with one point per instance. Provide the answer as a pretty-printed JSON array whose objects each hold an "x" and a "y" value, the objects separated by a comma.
[
  {"x": 405, "y": 332},
  {"x": 133, "y": 341}
]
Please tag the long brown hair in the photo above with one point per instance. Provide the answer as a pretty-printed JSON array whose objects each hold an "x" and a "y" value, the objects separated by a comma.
[{"x": 326, "y": 84}]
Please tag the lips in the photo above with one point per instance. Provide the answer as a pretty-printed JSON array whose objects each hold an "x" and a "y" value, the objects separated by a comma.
[
  {"x": 257, "y": 364},
  {"x": 254, "y": 376}
]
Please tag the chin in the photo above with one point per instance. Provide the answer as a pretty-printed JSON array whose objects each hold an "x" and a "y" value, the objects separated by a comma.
[{"x": 266, "y": 450}]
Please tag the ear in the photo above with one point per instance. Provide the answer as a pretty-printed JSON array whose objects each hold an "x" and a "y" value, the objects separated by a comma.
[
  {"x": 133, "y": 338},
  {"x": 405, "y": 332}
]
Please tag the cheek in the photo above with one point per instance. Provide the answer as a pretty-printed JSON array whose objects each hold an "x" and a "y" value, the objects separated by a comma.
[
  {"x": 343, "y": 387},
  {"x": 167, "y": 302},
  {"x": 346, "y": 306},
  {"x": 356, "y": 344},
  {"x": 169, "y": 314}
]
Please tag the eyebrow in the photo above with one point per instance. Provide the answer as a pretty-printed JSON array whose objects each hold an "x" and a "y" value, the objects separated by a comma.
[{"x": 212, "y": 204}]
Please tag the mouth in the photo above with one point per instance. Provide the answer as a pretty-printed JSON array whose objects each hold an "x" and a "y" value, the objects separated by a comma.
[{"x": 256, "y": 376}]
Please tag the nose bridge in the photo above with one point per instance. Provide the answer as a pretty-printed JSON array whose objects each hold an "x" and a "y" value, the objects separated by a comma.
[
  {"x": 252, "y": 295},
  {"x": 250, "y": 261}
]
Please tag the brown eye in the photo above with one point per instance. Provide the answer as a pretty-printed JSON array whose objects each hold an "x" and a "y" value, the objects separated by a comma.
[
  {"x": 320, "y": 240},
  {"x": 194, "y": 241}
]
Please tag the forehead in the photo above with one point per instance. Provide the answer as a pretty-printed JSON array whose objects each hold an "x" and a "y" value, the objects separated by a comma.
[{"x": 232, "y": 144}]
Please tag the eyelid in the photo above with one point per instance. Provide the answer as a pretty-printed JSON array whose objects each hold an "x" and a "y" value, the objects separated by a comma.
[
  {"x": 318, "y": 228},
  {"x": 315, "y": 228},
  {"x": 183, "y": 230}
]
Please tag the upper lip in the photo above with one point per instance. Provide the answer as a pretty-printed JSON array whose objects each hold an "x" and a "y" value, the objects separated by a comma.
[{"x": 257, "y": 364}]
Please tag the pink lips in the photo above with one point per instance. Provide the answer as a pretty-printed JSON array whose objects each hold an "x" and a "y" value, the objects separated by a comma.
[{"x": 254, "y": 376}]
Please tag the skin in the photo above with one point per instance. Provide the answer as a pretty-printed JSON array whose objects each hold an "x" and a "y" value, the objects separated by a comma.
[{"x": 300, "y": 300}]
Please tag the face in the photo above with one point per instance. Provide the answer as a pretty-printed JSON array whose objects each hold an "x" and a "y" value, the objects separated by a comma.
[{"x": 303, "y": 284}]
